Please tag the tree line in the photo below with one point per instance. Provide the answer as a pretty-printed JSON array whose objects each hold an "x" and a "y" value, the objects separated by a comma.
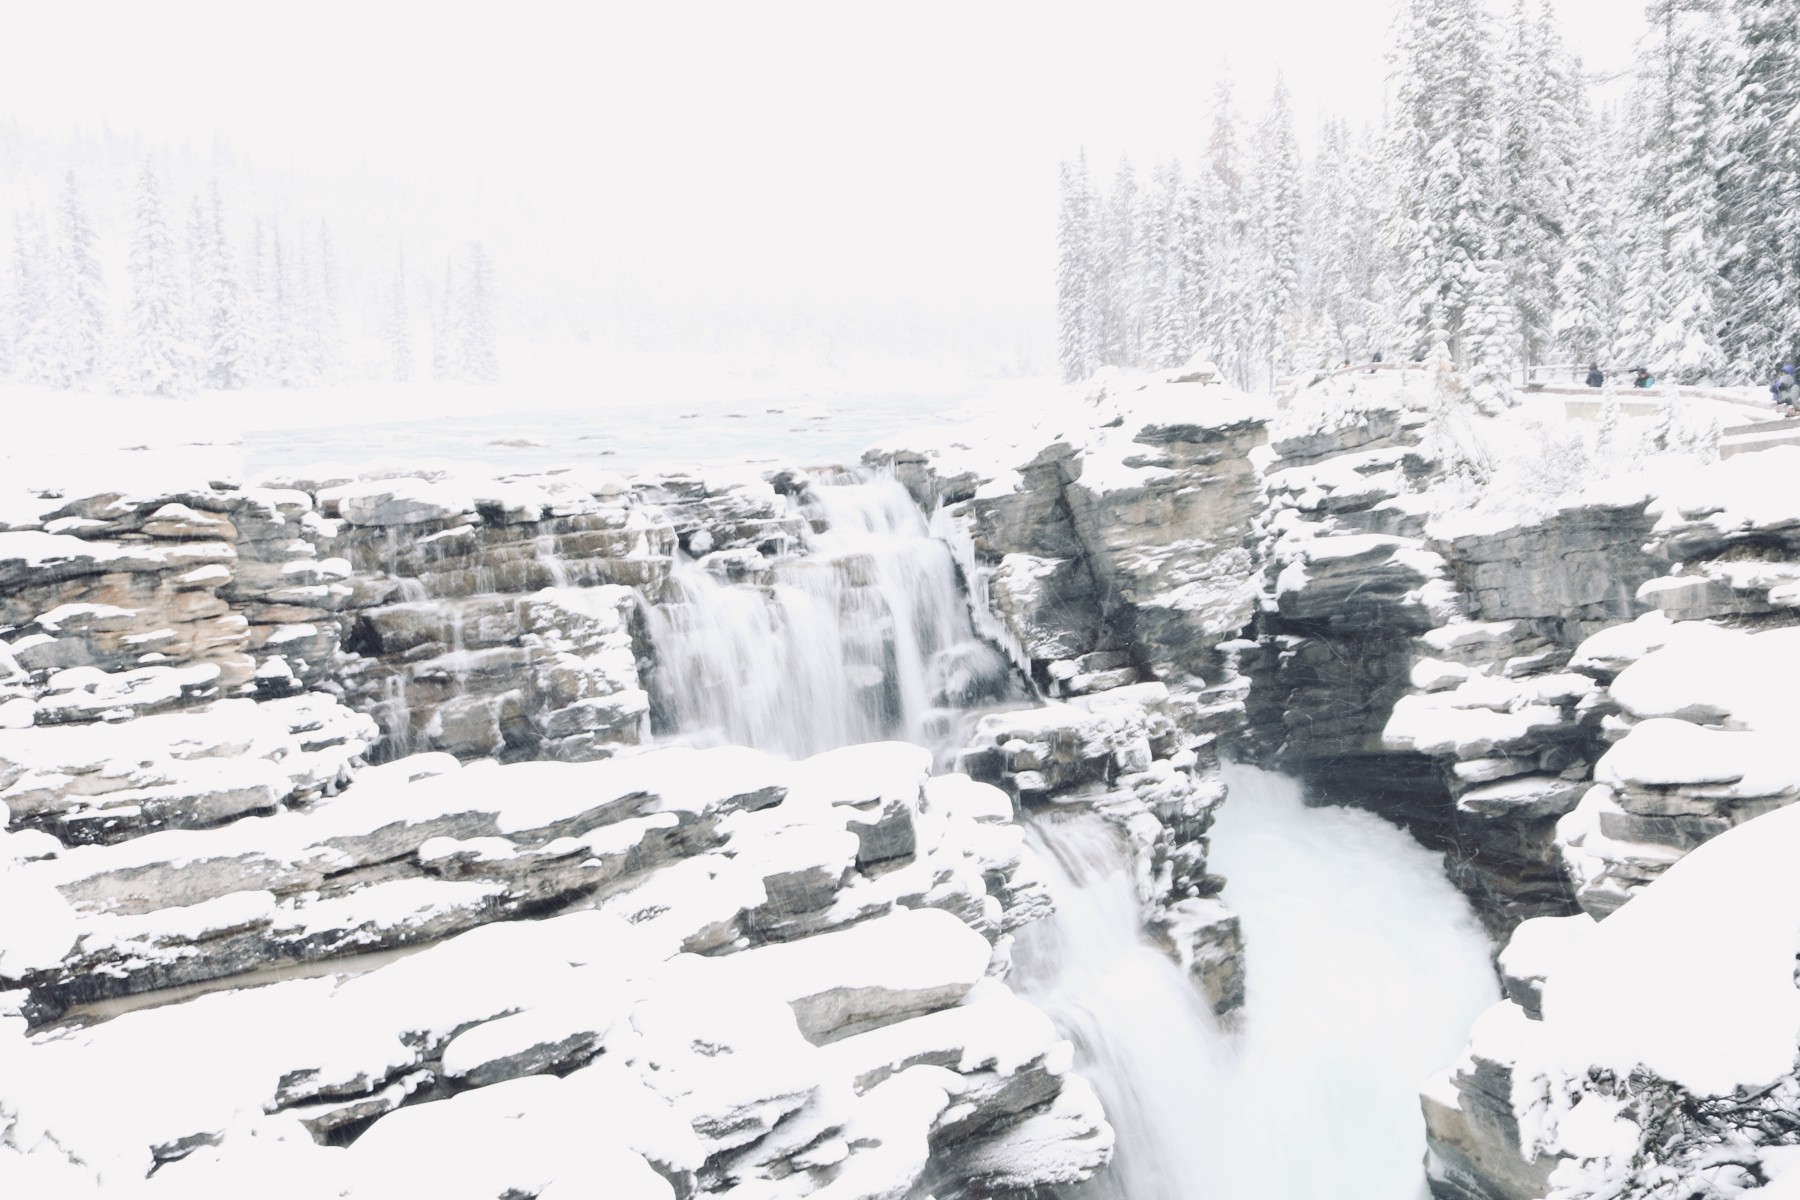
[
  {"x": 211, "y": 301},
  {"x": 1498, "y": 216}
]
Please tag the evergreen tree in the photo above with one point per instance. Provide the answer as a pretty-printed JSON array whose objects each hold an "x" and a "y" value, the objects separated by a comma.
[
  {"x": 1118, "y": 269},
  {"x": 1491, "y": 334},
  {"x": 1328, "y": 295},
  {"x": 397, "y": 330},
  {"x": 1192, "y": 266},
  {"x": 1160, "y": 229},
  {"x": 1376, "y": 273},
  {"x": 446, "y": 331},
  {"x": 1760, "y": 323},
  {"x": 227, "y": 343},
  {"x": 1219, "y": 248},
  {"x": 261, "y": 356},
  {"x": 1275, "y": 280},
  {"x": 1538, "y": 99},
  {"x": 327, "y": 326},
  {"x": 281, "y": 311},
  {"x": 74, "y": 307},
  {"x": 157, "y": 358},
  {"x": 305, "y": 336},
  {"x": 196, "y": 284},
  {"x": 1689, "y": 149},
  {"x": 1077, "y": 276},
  {"x": 1589, "y": 278},
  {"x": 25, "y": 316},
  {"x": 1445, "y": 141},
  {"x": 480, "y": 353}
]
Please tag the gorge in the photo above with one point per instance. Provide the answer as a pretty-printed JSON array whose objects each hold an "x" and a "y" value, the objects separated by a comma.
[{"x": 908, "y": 827}]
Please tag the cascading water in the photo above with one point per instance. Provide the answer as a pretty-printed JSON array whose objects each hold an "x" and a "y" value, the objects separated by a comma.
[
  {"x": 545, "y": 548},
  {"x": 1364, "y": 971},
  {"x": 864, "y": 637}
]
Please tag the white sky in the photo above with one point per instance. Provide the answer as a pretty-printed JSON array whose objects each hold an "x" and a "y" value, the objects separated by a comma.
[{"x": 852, "y": 162}]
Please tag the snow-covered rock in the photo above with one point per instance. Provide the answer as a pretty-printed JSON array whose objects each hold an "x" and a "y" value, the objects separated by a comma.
[
  {"x": 1126, "y": 753},
  {"x": 757, "y": 977},
  {"x": 1663, "y": 1063},
  {"x": 179, "y": 770}
]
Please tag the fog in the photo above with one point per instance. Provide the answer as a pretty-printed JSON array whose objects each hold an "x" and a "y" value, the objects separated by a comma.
[{"x": 771, "y": 184}]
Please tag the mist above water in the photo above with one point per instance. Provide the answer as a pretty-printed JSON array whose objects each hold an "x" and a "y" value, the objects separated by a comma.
[{"x": 1365, "y": 969}]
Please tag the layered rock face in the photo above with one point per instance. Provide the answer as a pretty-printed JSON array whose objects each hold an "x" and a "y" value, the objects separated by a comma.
[
  {"x": 1117, "y": 551},
  {"x": 745, "y": 973},
  {"x": 516, "y": 618},
  {"x": 1110, "y": 564},
  {"x": 1693, "y": 695},
  {"x": 1593, "y": 1078},
  {"x": 118, "y": 606},
  {"x": 1423, "y": 672}
]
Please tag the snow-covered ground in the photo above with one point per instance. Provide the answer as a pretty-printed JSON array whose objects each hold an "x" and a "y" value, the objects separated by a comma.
[{"x": 642, "y": 415}]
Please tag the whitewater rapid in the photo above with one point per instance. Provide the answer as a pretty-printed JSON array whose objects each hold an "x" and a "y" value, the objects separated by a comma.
[{"x": 1365, "y": 969}]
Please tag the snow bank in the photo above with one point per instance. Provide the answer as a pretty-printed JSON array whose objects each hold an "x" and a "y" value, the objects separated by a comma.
[{"x": 1695, "y": 977}]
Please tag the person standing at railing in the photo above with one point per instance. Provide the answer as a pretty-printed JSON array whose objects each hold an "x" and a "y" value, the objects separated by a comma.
[
  {"x": 1643, "y": 378},
  {"x": 1783, "y": 390},
  {"x": 1596, "y": 377}
]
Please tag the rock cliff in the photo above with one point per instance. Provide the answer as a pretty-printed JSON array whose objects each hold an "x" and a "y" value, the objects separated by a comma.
[
  {"x": 1419, "y": 666},
  {"x": 1111, "y": 562},
  {"x": 1593, "y": 1077}
]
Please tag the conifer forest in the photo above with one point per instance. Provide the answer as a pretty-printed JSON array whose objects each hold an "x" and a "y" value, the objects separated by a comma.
[{"x": 1510, "y": 213}]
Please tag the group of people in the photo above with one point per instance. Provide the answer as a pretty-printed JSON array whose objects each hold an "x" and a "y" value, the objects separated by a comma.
[
  {"x": 1640, "y": 378},
  {"x": 1784, "y": 391}
]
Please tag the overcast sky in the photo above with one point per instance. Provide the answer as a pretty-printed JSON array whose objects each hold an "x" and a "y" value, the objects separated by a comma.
[{"x": 893, "y": 161}]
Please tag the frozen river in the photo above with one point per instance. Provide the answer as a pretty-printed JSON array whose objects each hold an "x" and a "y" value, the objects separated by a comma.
[{"x": 628, "y": 435}]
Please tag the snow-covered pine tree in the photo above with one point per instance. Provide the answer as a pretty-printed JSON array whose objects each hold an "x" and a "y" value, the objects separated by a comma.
[
  {"x": 1219, "y": 247},
  {"x": 1327, "y": 295},
  {"x": 9, "y": 336},
  {"x": 1688, "y": 149},
  {"x": 397, "y": 329},
  {"x": 1537, "y": 87},
  {"x": 195, "y": 283},
  {"x": 1491, "y": 335},
  {"x": 446, "y": 330},
  {"x": 304, "y": 317},
  {"x": 74, "y": 298},
  {"x": 1196, "y": 260},
  {"x": 1760, "y": 314},
  {"x": 263, "y": 353},
  {"x": 157, "y": 358},
  {"x": 1445, "y": 141},
  {"x": 23, "y": 314},
  {"x": 285, "y": 313},
  {"x": 1118, "y": 268},
  {"x": 1375, "y": 280},
  {"x": 480, "y": 349},
  {"x": 328, "y": 349},
  {"x": 1589, "y": 279},
  {"x": 1275, "y": 274},
  {"x": 1077, "y": 275},
  {"x": 227, "y": 345},
  {"x": 1161, "y": 228}
]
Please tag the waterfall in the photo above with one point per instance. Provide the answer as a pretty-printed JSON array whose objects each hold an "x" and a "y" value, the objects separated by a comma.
[
  {"x": 1365, "y": 969},
  {"x": 864, "y": 637},
  {"x": 1143, "y": 1034},
  {"x": 545, "y": 548}
]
